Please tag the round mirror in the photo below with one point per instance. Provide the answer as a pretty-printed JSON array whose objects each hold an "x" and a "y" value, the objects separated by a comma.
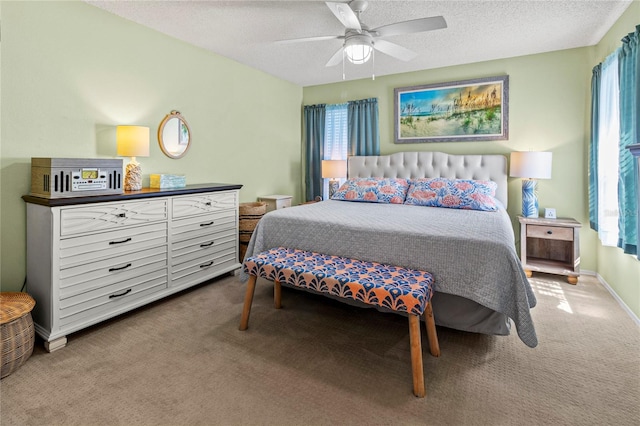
[{"x": 174, "y": 135}]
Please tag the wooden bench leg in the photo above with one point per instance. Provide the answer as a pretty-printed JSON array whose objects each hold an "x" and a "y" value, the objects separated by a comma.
[
  {"x": 248, "y": 300},
  {"x": 416, "y": 356},
  {"x": 277, "y": 294},
  {"x": 430, "y": 322}
]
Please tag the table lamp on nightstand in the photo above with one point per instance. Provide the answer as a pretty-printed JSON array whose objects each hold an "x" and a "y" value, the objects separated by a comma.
[
  {"x": 132, "y": 141},
  {"x": 334, "y": 170},
  {"x": 530, "y": 166}
]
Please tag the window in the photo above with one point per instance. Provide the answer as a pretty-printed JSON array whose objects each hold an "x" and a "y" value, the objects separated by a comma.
[
  {"x": 608, "y": 143},
  {"x": 335, "y": 138},
  {"x": 613, "y": 206}
]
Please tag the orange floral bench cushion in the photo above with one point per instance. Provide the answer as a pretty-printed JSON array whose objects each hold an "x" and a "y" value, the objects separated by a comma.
[{"x": 392, "y": 287}]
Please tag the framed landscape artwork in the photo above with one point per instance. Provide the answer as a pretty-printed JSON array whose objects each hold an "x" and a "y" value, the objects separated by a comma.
[{"x": 468, "y": 110}]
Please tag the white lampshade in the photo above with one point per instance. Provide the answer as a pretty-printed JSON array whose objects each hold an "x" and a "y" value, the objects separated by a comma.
[
  {"x": 531, "y": 165},
  {"x": 132, "y": 141},
  {"x": 334, "y": 169}
]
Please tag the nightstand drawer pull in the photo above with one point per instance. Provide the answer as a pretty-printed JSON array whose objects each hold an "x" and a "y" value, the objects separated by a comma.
[
  {"x": 207, "y": 224},
  {"x": 120, "y": 242},
  {"x": 549, "y": 232},
  {"x": 120, "y": 268},
  {"x": 206, "y": 244},
  {"x": 113, "y": 296},
  {"x": 206, "y": 265}
]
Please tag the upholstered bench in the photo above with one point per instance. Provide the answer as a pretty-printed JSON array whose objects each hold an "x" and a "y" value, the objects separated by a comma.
[{"x": 398, "y": 289}]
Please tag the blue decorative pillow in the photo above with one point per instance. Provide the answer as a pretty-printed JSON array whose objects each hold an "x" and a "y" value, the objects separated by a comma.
[
  {"x": 453, "y": 193},
  {"x": 373, "y": 190}
]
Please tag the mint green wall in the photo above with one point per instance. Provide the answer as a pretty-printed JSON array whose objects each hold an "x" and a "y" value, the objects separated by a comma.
[
  {"x": 72, "y": 72},
  {"x": 621, "y": 271},
  {"x": 546, "y": 113}
]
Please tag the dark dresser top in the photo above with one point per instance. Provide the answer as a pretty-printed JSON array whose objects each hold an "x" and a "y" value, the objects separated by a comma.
[{"x": 132, "y": 195}]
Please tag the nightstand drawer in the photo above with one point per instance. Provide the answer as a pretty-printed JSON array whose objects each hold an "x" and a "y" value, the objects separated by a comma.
[{"x": 550, "y": 232}]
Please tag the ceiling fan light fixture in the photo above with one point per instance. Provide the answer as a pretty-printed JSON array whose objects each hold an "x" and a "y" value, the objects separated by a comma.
[{"x": 358, "y": 49}]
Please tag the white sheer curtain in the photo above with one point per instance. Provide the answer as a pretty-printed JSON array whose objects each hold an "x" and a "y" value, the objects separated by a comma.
[
  {"x": 335, "y": 138},
  {"x": 609, "y": 137}
]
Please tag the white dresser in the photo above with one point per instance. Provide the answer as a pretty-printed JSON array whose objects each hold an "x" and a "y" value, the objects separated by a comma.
[{"x": 92, "y": 258}]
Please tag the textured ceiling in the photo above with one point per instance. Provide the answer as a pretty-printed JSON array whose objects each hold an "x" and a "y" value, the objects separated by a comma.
[{"x": 478, "y": 30}]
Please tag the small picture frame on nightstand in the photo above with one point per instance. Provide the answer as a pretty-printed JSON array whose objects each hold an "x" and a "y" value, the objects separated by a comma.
[{"x": 550, "y": 213}]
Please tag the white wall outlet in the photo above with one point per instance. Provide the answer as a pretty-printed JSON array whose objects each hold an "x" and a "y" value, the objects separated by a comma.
[{"x": 550, "y": 213}]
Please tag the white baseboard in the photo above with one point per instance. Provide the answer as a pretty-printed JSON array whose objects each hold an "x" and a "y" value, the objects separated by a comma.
[{"x": 606, "y": 285}]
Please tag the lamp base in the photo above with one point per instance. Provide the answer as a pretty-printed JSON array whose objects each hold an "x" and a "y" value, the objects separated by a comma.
[
  {"x": 333, "y": 187},
  {"x": 529, "y": 198},
  {"x": 133, "y": 177}
]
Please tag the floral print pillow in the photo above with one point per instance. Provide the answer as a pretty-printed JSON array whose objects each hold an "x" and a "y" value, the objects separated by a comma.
[
  {"x": 453, "y": 193},
  {"x": 373, "y": 190}
]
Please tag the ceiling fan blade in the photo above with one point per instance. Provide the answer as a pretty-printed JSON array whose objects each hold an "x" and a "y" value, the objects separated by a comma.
[
  {"x": 336, "y": 58},
  {"x": 413, "y": 26},
  {"x": 318, "y": 38},
  {"x": 394, "y": 50},
  {"x": 345, "y": 14}
]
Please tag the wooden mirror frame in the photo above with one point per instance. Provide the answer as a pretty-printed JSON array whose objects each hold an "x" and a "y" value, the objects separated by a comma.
[{"x": 165, "y": 145}]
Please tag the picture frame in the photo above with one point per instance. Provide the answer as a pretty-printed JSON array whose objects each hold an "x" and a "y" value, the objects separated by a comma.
[{"x": 465, "y": 110}]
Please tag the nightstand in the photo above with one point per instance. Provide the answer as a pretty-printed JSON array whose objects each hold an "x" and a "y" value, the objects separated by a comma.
[
  {"x": 551, "y": 246},
  {"x": 275, "y": 202}
]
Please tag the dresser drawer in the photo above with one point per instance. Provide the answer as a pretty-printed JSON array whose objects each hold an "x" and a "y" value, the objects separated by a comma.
[
  {"x": 86, "y": 249},
  {"x": 550, "y": 232},
  {"x": 192, "y": 205},
  {"x": 110, "y": 216},
  {"x": 205, "y": 250},
  {"x": 105, "y": 272},
  {"x": 192, "y": 227},
  {"x": 201, "y": 269},
  {"x": 109, "y": 298}
]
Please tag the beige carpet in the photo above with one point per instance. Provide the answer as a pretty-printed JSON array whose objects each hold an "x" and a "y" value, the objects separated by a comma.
[{"x": 182, "y": 361}]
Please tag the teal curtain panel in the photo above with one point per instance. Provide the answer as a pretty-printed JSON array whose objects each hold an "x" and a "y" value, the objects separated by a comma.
[
  {"x": 629, "y": 69},
  {"x": 364, "y": 135},
  {"x": 314, "y": 120}
]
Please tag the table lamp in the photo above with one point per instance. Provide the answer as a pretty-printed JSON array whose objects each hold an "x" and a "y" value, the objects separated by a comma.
[
  {"x": 132, "y": 141},
  {"x": 334, "y": 170},
  {"x": 530, "y": 165}
]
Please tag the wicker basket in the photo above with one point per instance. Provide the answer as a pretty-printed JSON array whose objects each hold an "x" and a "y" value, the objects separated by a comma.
[
  {"x": 249, "y": 216},
  {"x": 17, "y": 333}
]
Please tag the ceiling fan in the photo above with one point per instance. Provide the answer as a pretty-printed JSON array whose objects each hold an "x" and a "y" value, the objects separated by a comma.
[{"x": 360, "y": 40}]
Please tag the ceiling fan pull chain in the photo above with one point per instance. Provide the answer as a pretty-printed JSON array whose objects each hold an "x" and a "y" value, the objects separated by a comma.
[
  {"x": 373, "y": 64},
  {"x": 343, "y": 65}
]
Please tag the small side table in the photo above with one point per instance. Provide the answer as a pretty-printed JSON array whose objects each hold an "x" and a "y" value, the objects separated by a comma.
[
  {"x": 551, "y": 246},
  {"x": 275, "y": 202}
]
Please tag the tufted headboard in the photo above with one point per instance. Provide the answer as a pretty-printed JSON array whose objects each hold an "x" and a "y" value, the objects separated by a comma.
[{"x": 433, "y": 164}]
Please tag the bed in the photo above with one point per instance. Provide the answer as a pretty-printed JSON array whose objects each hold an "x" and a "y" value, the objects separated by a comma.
[{"x": 481, "y": 286}]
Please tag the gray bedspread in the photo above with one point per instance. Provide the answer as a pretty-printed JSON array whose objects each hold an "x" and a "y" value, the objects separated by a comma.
[{"x": 470, "y": 253}]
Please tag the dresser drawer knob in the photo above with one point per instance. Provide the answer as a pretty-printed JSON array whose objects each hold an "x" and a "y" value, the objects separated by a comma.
[
  {"x": 120, "y": 268},
  {"x": 206, "y": 265},
  {"x": 113, "y": 296},
  {"x": 121, "y": 215},
  {"x": 206, "y": 244},
  {"x": 207, "y": 224},
  {"x": 549, "y": 232},
  {"x": 120, "y": 242},
  {"x": 208, "y": 203}
]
